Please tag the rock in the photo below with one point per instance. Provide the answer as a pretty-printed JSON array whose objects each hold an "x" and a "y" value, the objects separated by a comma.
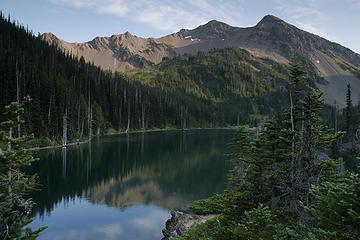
[{"x": 180, "y": 222}]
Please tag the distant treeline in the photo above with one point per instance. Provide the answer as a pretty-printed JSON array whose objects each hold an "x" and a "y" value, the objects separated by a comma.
[
  {"x": 68, "y": 93},
  {"x": 72, "y": 99}
]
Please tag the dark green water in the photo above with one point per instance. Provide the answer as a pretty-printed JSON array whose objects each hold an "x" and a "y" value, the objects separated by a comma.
[{"x": 122, "y": 187}]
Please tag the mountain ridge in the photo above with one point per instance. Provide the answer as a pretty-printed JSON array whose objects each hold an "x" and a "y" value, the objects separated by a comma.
[{"x": 270, "y": 38}]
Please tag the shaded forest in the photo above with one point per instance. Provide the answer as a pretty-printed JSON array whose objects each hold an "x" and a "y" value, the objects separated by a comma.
[
  {"x": 68, "y": 98},
  {"x": 73, "y": 99}
]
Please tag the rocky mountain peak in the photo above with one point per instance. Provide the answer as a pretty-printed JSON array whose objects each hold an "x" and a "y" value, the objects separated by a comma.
[
  {"x": 128, "y": 34},
  {"x": 49, "y": 37},
  {"x": 213, "y": 27},
  {"x": 216, "y": 26},
  {"x": 211, "y": 30},
  {"x": 269, "y": 21}
]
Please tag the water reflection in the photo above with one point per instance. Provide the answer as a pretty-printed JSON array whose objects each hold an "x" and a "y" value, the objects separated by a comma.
[{"x": 148, "y": 171}]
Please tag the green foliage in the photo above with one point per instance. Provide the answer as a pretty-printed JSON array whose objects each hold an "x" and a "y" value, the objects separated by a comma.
[
  {"x": 98, "y": 116},
  {"x": 261, "y": 223},
  {"x": 15, "y": 185},
  {"x": 345, "y": 66},
  {"x": 349, "y": 121},
  {"x": 274, "y": 167},
  {"x": 224, "y": 87},
  {"x": 336, "y": 211},
  {"x": 59, "y": 82},
  {"x": 255, "y": 158},
  {"x": 219, "y": 203},
  {"x": 240, "y": 87},
  {"x": 213, "y": 229}
]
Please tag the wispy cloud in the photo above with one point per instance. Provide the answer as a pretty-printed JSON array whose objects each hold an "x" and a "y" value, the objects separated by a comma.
[
  {"x": 116, "y": 7},
  {"x": 309, "y": 28},
  {"x": 151, "y": 220},
  {"x": 301, "y": 9},
  {"x": 149, "y": 223},
  {"x": 111, "y": 231},
  {"x": 163, "y": 15},
  {"x": 306, "y": 14}
]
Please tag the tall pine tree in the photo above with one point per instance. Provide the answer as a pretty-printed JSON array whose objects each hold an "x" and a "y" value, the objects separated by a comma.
[{"x": 15, "y": 206}]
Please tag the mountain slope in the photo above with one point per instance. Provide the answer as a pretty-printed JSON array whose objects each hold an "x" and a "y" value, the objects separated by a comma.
[
  {"x": 271, "y": 38},
  {"x": 285, "y": 43},
  {"x": 72, "y": 99}
]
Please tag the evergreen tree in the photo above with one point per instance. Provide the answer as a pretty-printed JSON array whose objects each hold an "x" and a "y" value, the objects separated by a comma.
[
  {"x": 98, "y": 117},
  {"x": 349, "y": 111},
  {"x": 263, "y": 190},
  {"x": 336, "y": 212},
  {"x": 15, "y": 185}
]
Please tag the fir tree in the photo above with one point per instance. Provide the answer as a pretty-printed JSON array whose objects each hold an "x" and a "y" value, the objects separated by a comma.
[
  {"x": 15, "y": 207},
  {"x": 336, "y": 212},
  {"x": 349, "y": 111}
]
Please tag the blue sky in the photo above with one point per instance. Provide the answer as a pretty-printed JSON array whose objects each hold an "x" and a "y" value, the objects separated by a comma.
[{"x": 82, "y": 20}]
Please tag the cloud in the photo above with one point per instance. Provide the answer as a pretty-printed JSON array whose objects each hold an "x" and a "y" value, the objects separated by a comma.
[
  {"x": 111, "y": 231},
  {"x": 114, "y": 7},
  {"x": 160, "y": 14},
  {"x": 301, "y": 9},
  {"x": 75, "y": 3},
  {"x": 168, "y": 17},
  {"x": 307, "y": 15},
  {"x": 71, "y": 234},
  {"x": 151, "y": 221},
  {"x": 309, "y": 28}
]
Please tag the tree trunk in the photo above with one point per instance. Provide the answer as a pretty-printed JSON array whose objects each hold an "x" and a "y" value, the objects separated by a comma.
[
  {"x": 89, "y": 116},
  {"x": 120, "y": 112},
  {"x": 79, "y": 120},
  {"x": 82, "y": 129},
  {"x": 292, "y": 160},
  {"x": 9, "y": 142},
  {"x": 9, "y": 170},
  {"x": 49, "y": 113},
  {"x": 143, "y": 116},
  {"x": 128, "y": 122},
  {"x": 18, "y": 97},
  {"x": 64, "y": 138}
]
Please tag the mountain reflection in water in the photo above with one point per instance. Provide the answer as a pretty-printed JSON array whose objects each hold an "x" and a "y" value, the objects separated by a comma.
[{"x": 143, "y": 174}]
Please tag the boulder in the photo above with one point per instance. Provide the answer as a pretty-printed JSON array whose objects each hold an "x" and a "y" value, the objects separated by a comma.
[{"x": 180, "y": 222}]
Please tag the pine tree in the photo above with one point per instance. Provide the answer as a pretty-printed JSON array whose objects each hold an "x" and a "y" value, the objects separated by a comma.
[
  {"x": 99, "y": 121},
  {"x": 336, "y": 213},
  {"x": 280, "y": 164},
  {"x": 259, "y": 166},
  {"x": 15, "y": 185},
  {"x": 349, "y": 111},
  {"x": 308, "y": 136}
]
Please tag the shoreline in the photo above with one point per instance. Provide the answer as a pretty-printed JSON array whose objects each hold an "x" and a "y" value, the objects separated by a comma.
[
  {"x": 33, "y": 149},
  {"x": 56, "y": 146}
]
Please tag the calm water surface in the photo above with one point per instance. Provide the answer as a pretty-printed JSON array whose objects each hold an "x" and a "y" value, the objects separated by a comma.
[{"x": 122, "y": 187}]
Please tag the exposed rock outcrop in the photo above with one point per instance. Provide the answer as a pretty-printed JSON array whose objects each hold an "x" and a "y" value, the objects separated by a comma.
[{"x": 181, "y": 221}]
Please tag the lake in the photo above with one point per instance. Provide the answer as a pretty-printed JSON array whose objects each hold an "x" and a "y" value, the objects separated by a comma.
[{"x": 124, "y": 186}]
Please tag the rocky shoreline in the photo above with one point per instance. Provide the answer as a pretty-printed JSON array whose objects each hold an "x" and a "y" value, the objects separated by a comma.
[{"x": 180, "y": 222}]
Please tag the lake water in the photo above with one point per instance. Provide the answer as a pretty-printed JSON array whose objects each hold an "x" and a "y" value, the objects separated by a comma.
[{"x": 123, "y": 187}]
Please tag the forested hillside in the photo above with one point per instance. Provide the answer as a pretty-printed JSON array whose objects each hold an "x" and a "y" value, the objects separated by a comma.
[
  {"x": 245, "y": 87},
  {"x": 73, "y": 99}
]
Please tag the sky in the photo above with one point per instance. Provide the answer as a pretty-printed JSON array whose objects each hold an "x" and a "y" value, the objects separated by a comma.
[{"x": 83, "y": 20}]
